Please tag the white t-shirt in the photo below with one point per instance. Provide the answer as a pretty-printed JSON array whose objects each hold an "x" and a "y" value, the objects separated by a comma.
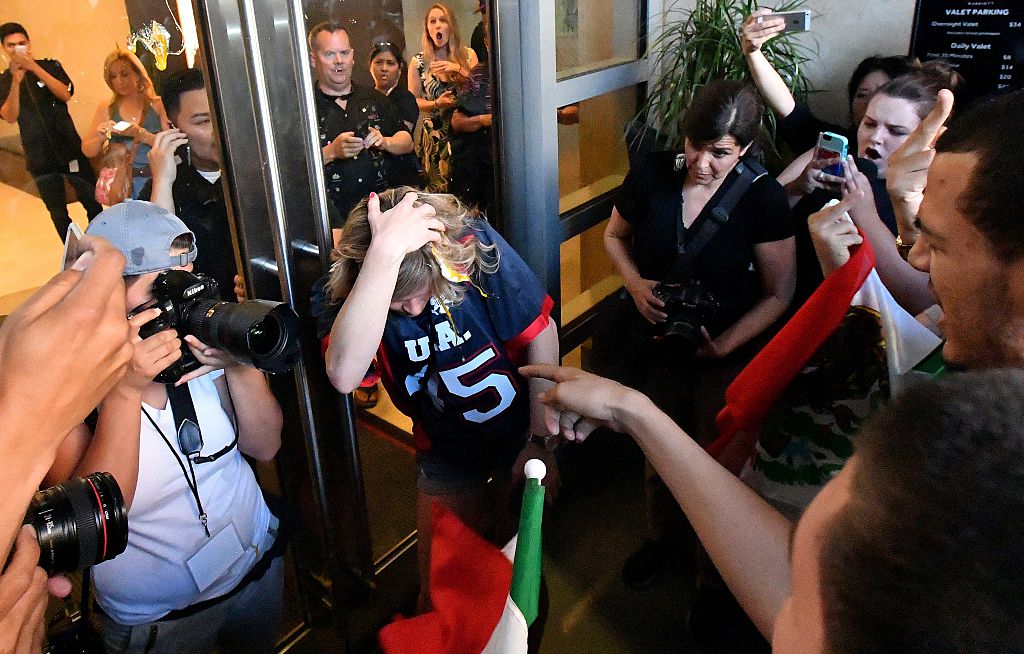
[
  {"x": 209, "y": 175},
  {"x": 152, "y": 577}
]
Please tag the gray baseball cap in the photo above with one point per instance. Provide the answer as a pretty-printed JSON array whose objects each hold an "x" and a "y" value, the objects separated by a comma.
[{"x": 143, "y": 232}]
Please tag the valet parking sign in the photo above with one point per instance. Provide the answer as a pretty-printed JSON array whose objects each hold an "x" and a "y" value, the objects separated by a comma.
[{"x": 984, "y": 39}]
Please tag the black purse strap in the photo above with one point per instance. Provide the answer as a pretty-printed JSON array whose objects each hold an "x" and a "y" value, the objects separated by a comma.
[{"x": 747, "y": 172}]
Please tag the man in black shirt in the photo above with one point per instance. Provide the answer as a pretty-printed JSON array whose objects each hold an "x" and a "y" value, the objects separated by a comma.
[
  {"x": 34, "y": 94},
  {"x": 190, "y": 187},
  {"x": 361, "y": 134}
]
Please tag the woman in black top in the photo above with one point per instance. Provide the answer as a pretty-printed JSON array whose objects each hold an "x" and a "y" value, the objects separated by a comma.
[
  {"x": 748, "y": 265},
  {"x": 894, "y": 111},
  {"x": 641, "y": 236},
  {"x": 797, "y": 126},
  {"x": 386, "y": 69}
]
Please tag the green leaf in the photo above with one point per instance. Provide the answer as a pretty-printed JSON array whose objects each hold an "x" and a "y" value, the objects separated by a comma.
[{"x": 702, "y": 44}]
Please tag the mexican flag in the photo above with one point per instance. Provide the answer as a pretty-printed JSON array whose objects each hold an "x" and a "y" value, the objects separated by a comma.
[
  {"x": 792, "y": 415},
  {"x": 484, "y": 598}
]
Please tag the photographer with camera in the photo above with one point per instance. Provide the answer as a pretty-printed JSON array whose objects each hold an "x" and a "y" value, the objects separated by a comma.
[
  {"x": 704, "y": 243},
  {"x": 202, "y": 566}
]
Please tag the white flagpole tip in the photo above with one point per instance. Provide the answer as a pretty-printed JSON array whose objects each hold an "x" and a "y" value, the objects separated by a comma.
[{"x": 535, "y": 469}]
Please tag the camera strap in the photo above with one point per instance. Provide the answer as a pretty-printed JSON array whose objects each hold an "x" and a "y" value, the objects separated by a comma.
[
  {"x": 187, "y": 424},
  {"x": 747, "y": 172}
]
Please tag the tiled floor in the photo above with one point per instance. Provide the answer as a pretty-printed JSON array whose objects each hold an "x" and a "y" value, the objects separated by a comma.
[{"x": 30, "y": 250}]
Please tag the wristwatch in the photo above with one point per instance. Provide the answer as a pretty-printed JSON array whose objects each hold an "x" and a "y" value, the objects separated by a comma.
[{"x": 547, "y": 442}]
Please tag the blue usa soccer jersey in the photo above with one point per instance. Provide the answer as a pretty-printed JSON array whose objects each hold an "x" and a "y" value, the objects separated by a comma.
[{"x": 457, "y": 379}]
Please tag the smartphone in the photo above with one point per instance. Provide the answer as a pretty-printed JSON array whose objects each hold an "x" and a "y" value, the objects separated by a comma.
[
  {"x": 122, "y": 125},
  {"x": 831, "y": 146},
  {"x": 183, "y": 154},
  {"x": 362, "y": 130},
  {"x": 796, "y": 21},
  {"x": 72, "y": 246}
]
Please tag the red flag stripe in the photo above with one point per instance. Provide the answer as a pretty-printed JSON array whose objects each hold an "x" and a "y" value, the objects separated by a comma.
[
  {"x": 755, "y": 390},
  {"x": 469, "y": 583}
]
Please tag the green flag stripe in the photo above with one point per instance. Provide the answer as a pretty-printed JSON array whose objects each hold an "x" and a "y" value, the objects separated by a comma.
[{"x": 525, "y": 591}]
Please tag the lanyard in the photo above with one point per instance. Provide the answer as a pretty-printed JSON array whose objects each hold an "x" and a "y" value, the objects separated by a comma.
[{"x": 193, "y": 484}]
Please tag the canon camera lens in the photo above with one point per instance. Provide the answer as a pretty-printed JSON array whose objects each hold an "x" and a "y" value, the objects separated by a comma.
[{"x": 79, "y": 523}]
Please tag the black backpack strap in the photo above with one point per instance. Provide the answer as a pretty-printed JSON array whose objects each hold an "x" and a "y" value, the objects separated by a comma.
[{"x": 747, "y": 172}]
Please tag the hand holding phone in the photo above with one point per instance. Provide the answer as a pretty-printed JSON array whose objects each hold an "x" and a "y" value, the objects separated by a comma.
[
  {"x": 796, "y": 21},
  {"x": 833, "y": 233},
  {"x": 121, "y": 125},
  {"x": 72, "y": 247},
  {"x": 831, "y": 146}
]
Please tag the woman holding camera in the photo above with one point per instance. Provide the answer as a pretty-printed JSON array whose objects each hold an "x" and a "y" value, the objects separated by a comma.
[{"x": 736, "y": 280}]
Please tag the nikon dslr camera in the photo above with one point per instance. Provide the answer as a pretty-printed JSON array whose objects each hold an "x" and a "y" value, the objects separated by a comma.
[
  {"x": 689, "y": 307},
  {"x": 258, "y": 332}
]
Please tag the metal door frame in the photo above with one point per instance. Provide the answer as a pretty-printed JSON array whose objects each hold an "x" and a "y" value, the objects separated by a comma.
[
  {"x": 260, "y": 85},
  {"x": 528, "y": 131}
]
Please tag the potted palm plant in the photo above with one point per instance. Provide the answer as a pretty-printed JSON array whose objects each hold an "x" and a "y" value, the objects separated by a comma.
[{"x": 702, "y": 44}]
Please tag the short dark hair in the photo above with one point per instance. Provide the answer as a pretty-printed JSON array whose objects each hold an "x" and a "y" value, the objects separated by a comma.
[
  {"x": 183, "y": 81},
  {"x": 387, "y": 46},
  {"x": 921, "y": 86},
  {"x": 329, "y": 26},
  {"x": 927, "y": 555},
  {"x": 992, "y": 202},
  {"x": 893, "y": 67},
  {"x": 723, "y": 108},
  {"x": 11, "y": 28}
]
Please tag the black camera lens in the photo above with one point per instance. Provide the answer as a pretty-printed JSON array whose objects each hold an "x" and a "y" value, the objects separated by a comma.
[
  {"x": 265, "y": 334},
  {"x": 681, "y": 339},
  {"x": 79, "y": 523}
]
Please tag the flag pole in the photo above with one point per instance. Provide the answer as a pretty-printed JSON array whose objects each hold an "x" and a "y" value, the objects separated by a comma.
[{"x": 525, "y": 590}]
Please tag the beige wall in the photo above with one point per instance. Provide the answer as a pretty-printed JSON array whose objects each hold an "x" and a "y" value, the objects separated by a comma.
[
  {"x": 78, "y": 33},
  {"x": 847, "y": 32}
]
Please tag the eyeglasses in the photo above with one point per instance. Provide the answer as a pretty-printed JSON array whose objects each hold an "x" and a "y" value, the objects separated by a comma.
[{"x": 190, "y": 443}]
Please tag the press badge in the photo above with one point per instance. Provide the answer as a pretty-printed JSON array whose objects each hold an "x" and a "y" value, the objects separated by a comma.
[
  {"x": 73, "y": 165},
  {"x": 215, "y": 557}
]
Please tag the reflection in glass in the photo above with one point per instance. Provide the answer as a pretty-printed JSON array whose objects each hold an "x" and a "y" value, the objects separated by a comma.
[
  {"x": 591, "y": 161},
  {"x": 382, "y": 32},
  {"x": 592, "y": 153},
  {"x": 594, "y": 35}
]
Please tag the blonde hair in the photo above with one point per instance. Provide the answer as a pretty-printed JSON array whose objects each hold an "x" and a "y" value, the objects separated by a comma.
[
  {"x": 456, "y": 51},
  {"x": 145, "y": 83},
  {"x": 458, "y": 247}
]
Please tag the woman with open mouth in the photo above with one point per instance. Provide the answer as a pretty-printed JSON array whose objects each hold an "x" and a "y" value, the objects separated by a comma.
[
  {"x": 434, "y": 77},
  {"x": 892, "y": 113},
  {"x": 386, "y": 62}
]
